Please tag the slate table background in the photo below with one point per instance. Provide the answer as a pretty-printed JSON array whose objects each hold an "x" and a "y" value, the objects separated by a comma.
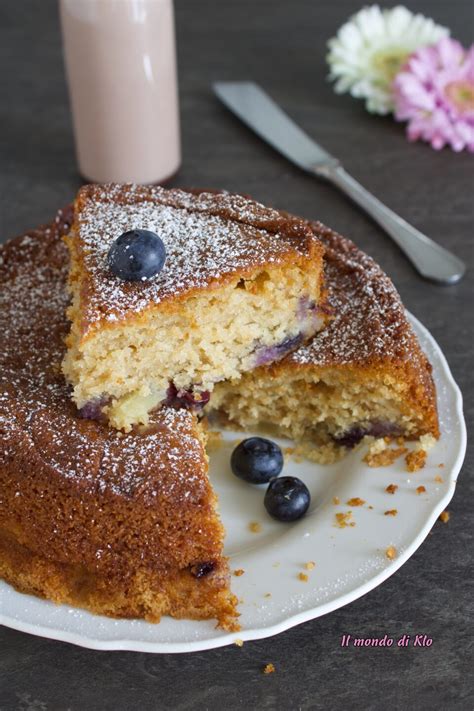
[{"x": 280, "y": 44}]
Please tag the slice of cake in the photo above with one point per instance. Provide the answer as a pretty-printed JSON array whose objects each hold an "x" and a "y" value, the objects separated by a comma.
[
  {"x": 120, "y": 524},
  {"x": 240, "y": 286},
  {"x": 365, "y": 374}
]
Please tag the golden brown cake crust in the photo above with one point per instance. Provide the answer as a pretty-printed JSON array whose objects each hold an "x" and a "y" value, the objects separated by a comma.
[
  {"x": 77, "y": 495},
  {"x": 211, "y": 238},
  {"x": 369, "y": 333}
]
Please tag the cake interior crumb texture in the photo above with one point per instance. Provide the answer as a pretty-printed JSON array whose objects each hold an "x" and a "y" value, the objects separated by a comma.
[
  {"x": 124, "y": 525},
  {"x": 365, "y": 374},
  {"x": 241, "y": 286}
]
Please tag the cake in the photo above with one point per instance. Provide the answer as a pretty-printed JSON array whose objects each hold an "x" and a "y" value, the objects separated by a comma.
[
  {"x": 241, "y": 286},
  {"x": 125, "y": 524},
  {"x": 120, "y": 524},
  {"x": 364, "y": 375}
]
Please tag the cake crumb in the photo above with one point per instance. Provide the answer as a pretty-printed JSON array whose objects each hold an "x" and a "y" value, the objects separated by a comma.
[
  {"x": 267, "y": 595},
  {"x": 299, "y": 453},
  {"x": 415, "y": 460},
  {"x": 444, "y": 516},
  {"x": 255, "y": 527},
  {"x": 439, "y": 479},
  {"x": 380, "y": 455},
  {"x": 426, "y": 442},
  {"x": 391, "y": 488},
  {"x": 440, "y": 466},
  {"x": 239, "y": 642},
  {"x": 336, "y": 500},
  {"x": 303, "y": 577},
  {"x": 214, "y": 440},
  {"x": 356, "y": 501},
  {"x": 370, "y": 506},
  {"x": 391, "y": 512},
  {"x": 269, "y": 668},
  {"x": 420, "y": 489},
  {"x": 400, "y": 440},
  {"x": 239, "y": 572},
  {"x": 343, "y": 519},
  {"x": 310, "y": 565},
  {"x": 391, "y": 552}
]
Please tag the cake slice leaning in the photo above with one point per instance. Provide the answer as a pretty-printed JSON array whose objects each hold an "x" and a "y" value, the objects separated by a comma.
[
  {"x": 241, "y": 286},
  {"x": 365, "y": 374},
  {"x": 119, "y": 524}
]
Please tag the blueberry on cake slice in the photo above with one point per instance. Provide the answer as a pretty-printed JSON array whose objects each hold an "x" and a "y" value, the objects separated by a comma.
[
  {"x": 365, "y": 374},
  {"x": 123, "y": 525},
  {"x": 173, "y": 292}
]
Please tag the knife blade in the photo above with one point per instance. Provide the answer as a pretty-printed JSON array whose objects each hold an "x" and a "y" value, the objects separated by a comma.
[{"x": 258, "y": 111}]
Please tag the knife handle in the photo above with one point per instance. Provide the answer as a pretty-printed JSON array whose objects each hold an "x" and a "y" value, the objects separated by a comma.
[{"x": 430, "y": 259}]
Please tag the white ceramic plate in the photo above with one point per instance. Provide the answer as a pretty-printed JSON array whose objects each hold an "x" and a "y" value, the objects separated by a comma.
[{"x": 349, "y": 561}]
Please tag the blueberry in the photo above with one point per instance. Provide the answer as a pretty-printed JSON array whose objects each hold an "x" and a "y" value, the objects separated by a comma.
[
  {"x": 257, "y": 460},
  {"x": 287, "y": 498},
  {"x": 136, "y": 255}
]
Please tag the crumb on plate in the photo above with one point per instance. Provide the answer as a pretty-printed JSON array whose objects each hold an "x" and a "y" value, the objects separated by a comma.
[
  {"x": 381, "y": 455},
  {"x": 356, "y": 501},
  {"x": 255, "y": 527},
  {"x": 444, "y": 516},
  {"x": 391, "y": 552},
  {"x": 214, "y": 440},
  {"x": 415, "y": 460},
  {"x": 344, "y": 519},
  {"x": 391, "y": 488}
]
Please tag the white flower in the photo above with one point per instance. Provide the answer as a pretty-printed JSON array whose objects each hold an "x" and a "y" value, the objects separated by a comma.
[{"x": 370, "y": 49}]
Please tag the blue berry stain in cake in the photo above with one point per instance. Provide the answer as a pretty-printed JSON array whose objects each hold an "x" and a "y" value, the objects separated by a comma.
[
  {"x": 188, "y": 399},
  {"x": 287, "y": 498},
  {"x": 257, "y": 460},
  {"x": 137, "y": 255},
  {"x": 352, "y": 436},
  {"x": 270, "y": 354}
]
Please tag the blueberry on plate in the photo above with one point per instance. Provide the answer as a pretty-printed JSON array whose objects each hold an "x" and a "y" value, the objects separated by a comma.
[
  {"x": 257, "y": 460},
  {"x": 287, "y": 498},
  {"x": 136, "y": 255}
]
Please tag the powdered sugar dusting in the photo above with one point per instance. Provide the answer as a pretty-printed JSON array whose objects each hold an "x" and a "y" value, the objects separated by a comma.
[
  {"x": 369, "y": 322},
  {"x": 37, "y": 418},
  {"x": 208, "y": 239}
]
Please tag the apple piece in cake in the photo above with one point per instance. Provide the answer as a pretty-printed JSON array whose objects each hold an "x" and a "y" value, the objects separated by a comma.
[
  {"x": 240, "y": 287},
  {"x": 365, "y": 374}
]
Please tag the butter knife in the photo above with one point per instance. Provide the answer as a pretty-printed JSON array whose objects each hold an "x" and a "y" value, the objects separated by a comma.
[{"x": 256, "y": 109}]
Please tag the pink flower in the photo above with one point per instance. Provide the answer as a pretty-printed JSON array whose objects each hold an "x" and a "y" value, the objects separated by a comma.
[{"x": 434, "y": 92}]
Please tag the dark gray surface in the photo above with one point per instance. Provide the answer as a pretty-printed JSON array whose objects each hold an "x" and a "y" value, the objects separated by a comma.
[{"x": 281, "y": 45}]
